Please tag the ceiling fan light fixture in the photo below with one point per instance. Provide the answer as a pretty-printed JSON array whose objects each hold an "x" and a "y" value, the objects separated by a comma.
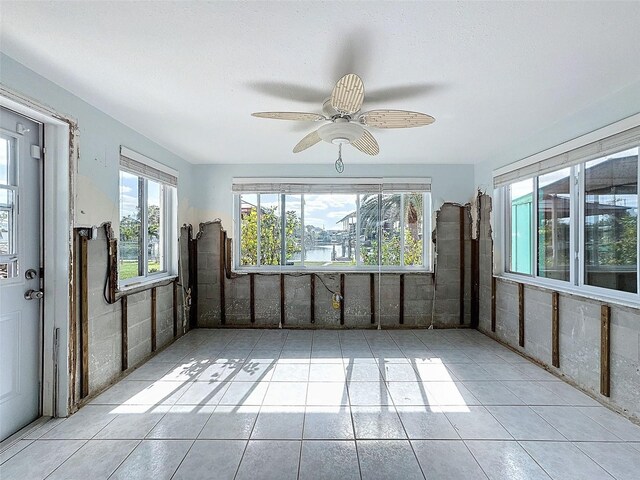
[{"x": 340, "y": 133}]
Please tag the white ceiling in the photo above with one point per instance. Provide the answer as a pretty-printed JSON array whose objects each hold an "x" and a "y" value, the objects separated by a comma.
[{"x": 188, "y": 74}]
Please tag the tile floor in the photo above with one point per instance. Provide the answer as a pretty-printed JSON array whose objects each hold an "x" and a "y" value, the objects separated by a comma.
[{"x": 278, "y": 404}]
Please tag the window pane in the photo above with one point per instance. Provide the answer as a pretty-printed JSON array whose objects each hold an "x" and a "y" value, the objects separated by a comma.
[
  {"x": 369, "y": 222},
  {"x": 249, "y": 230},
  {"x": 611, "y": 221},
  {"x": 390, "y": 224},
  {"x": 7, "y": 222},
  {"x": 330, "y": 230},
  {"x": 155, "y": 227},
  {"x": 270, "y": 231},
  {"x": 521, "y": 202},
  {"x": 554, "y": 210},
  {"x": 293, "y": 229},
  {"x": 130, "y": 227},
  {"x": 413, "y": 228}
]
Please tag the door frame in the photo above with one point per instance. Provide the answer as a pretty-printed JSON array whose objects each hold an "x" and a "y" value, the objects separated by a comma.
[{"x": 60, "y": 161}]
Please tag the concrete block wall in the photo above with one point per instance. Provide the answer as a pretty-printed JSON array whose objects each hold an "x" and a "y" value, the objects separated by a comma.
[
  {"x": 105, "y": 322},
  {"x": 418, "y": 288},
  {"x": 579, "y": 330}
]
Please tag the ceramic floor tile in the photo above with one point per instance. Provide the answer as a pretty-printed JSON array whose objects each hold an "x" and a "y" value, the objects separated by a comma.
[
  {"x": 273, "y": 459},
  {"x": 84, "y": 424},
  {"x": 291, "y": 372},
  {"x": 570, "y": 395},
  {"x": 492, "y": 393},
  {"x": 446, "y": 460},
  {"x": 255, "y": 372},
  {"x": 399, "y": 372},
  {"x": 477, "y": 423},
  {"x": 613, "y": 422},
  {"x": 207, "y": 456},
  {"x": 409, "y": 393},
  {"x": 230, "y": 423},
  {"x": 327, "y": 393},
  {"x": 151, "y": 371},
  {"x": 220, "y": 372},
  {"x": 434, "y": 372},
  {"x": 157, "y": 459},
  {"x": 369, "y": 393},
  {"x": 504, "y": 460},
  {"x": 96, "y": 459},
  {"x": 363, "y": 372},
  {"x": 328, "y": 423},
  {"x": 524, "y": 424},
  {"x": 329, "y": 461},
  {"x": 182, "y": 422},
  {"x": 39, "y": 459},
  {"x": 423, "y": 423},
  {"x": 279, "y": 423},
  {"x": 286, "y": 393},
  {"x": 620, "y": 460},
  {"x": 383, "y": 460},
  {"x": 142, "y": 393},
  {"x": 533, "y": 393},
  {"x": 449, "y": 393},
  {"x": 575, "y": 426},
  {"x": 244, "y": 393},
  {"x": 203, "y": 393},
  {"x": 16, "y": 448},
  {"x": 331, "y": 372},
  {"x": 564, "y": 461},
  {"x": 469, "y": 371},
  {"x": 132, "y": 422},
  {"x": 377, "y": 423}
]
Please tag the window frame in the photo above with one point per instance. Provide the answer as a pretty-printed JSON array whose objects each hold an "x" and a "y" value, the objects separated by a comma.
[
  {"x": 577, "y": 282},
  {"x": 427, "y": 256},
  {"x": 168, "y": 224}
]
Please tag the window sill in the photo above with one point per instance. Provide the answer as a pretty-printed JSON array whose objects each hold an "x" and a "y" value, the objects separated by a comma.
[
  {"x": 320, "y": 271},
  {"x": 584, "y": 294},
  {"x": 144, "y": 285}
]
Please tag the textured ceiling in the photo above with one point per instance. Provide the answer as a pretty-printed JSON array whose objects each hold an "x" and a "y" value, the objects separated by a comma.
[{"x": 188, "y": 74}]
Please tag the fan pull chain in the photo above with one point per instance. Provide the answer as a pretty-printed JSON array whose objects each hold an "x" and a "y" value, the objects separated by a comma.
[{"x": 339, "y": 163}]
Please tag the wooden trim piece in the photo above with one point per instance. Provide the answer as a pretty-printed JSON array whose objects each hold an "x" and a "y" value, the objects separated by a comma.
[
  {"x": 475, "y": 283},
  {"x": 372, "y": 293},
  {"x": 462, "y": 266},
  {"x": 73, "y": 327},
  {"x": 175, "y": 308},
  {"x": 252, "y": 297},
  {"x": 312, "y": 294},
  {"x": 342, "y": 300},
  {"x": 605, "y": 343},
  {"x": 228, "y": 256},
  {"x": 401, "y": 306},
  {"x": 521, "y": 314},
  {"x": 113, "y": 270},
  {"x": 84, "y": 317},
  {"x": 125, "y": 333},
  {"x": 555, "y": 329},
  {"x": 282, "y": 312},
  {"x": 223, "y": 303},
  {"x": 493, "y": 303},
  {"x": 193, "y": 278},
  {"x": 154, "y": 318}
]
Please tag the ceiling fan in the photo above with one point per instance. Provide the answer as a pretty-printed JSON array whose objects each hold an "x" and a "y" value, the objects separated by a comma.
[{"x": 342, "y": 110}]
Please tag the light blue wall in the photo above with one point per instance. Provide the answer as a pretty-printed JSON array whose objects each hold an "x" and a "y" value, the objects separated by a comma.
[
  {"x": 454, "y": 183},
  {"x": 99, "y": 142},
  {"x": 602, "y": 112}
]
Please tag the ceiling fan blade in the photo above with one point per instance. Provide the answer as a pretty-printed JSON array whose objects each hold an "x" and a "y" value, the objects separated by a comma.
[
  {"x": 298, "y": 116},
  {"x": 309, "y": 141},
  {"x": 367, "y": 144},
  {"x": 395, "y": 119},
  {"x": 348, "y": 94}
]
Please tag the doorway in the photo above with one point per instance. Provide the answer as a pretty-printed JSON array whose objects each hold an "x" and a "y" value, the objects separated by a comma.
[{"x": 21, "y": 282}]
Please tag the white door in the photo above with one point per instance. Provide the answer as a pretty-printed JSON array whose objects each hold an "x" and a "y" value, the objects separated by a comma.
[{"x": 20, "y": 271}]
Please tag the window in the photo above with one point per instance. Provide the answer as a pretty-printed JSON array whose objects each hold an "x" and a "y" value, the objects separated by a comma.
[
  {"x": 147, "y": 226},
  {"x": 331, "y": 230},
  {"x": 8, "y": 212},
  {"x": 586, "y": 227}
]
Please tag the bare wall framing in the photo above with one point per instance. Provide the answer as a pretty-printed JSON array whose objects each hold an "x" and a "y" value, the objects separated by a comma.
[
  {"x": 592, "y": 344},
  {"x": 225, "y": 298}
]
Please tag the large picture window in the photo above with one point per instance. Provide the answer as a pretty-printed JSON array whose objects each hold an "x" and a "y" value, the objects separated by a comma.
[
  {"x": 333, "y": 230},
  {"x": 146, "y": 222},
  {"x": 585, "y": 231}
]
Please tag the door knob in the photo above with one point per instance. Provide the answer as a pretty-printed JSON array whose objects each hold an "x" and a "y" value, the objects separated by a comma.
[
  {"x": 30, "y": 274},
  {"x": 33, "y": 294}
]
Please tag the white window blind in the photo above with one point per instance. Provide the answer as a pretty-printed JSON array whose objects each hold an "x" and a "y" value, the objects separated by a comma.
[
  {"x": 590, "y": 151},
  {"x": 138, "y": 164},
  {"x": 331, "y": 185}
]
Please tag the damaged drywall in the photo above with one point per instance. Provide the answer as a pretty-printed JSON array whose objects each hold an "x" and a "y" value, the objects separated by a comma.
[{"x": 440, "y": 299}]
